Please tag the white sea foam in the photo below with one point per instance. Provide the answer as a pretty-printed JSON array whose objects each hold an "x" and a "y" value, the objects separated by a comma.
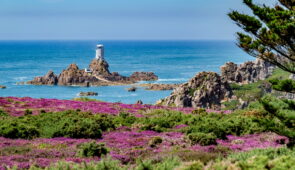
[{"x": 20, "y": 78}]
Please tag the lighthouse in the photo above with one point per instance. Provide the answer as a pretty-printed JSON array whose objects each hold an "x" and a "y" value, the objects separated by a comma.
[{"x": 99, "y": 52}]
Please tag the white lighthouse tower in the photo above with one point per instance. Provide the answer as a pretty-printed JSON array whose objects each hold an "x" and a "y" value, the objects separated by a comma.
[{"x": 99, "y": 52}]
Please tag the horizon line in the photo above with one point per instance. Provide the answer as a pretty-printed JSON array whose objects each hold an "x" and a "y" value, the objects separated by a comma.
[{"x": 117, "y": 39}]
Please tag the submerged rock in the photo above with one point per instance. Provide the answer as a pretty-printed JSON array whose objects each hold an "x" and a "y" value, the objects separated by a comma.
[
  {"x": 248, "y": 72},
  {"x": 132, "y": 89},
  {"x": 206, "y": 90},
  {"x": 88, "y": 94},
  {"x": 159, "y": 87},
  {"x": 143, "y": 76},
  {"x": 139, "y": 102}
]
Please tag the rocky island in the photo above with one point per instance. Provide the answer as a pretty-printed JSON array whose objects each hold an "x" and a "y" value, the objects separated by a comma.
[{"x": 97, "y": 74}]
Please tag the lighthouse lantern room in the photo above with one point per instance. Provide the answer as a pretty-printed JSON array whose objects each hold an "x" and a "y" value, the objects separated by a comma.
[{"x": 99, "y": 52}]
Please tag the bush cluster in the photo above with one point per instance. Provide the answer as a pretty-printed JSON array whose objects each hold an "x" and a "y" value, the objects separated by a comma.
[
  {"x": 91, "y": 149},
  {"x": 287, "y": 85},
  {"x": 72, "y": 124}
]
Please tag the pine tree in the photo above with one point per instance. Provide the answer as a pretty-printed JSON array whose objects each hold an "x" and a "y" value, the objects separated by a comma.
[{"x": 269, "y": 32}]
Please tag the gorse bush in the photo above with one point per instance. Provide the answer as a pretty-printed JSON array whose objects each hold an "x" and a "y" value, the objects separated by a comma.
[
  {"x": 202, "y": 138},
  {"x": 161, "y": 120},
  {"x": 62, "y": 124},
  {"x": 91, "y": 149},
  {"x": 17, "y": 129},
  {"x": 287, "y": 85},
  {"x": 222, "y": 125},
  {"x": 284, "y": 112}
]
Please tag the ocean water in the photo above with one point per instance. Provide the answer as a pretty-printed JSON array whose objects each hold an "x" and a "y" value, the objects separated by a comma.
[{"x": 172, "y": 61}]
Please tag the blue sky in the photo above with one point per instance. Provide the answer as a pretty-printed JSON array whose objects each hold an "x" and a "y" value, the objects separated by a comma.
[{"x": 117, "y": 19}]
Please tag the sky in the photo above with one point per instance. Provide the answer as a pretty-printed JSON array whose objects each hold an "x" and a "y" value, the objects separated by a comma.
[{"x": 118, "y": 19}]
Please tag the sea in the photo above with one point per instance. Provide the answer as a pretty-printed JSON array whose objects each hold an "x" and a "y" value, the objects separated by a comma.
[{"x": 172, "y": 61}]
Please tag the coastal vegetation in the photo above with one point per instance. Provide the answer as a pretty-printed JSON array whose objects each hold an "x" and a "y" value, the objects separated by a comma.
[{"x": 235, "y": 120}]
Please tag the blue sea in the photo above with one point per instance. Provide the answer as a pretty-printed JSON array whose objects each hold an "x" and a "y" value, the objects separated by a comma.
[{"x": 172, "y": 61}]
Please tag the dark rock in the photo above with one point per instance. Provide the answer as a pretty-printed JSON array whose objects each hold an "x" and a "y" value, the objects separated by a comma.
[
  {"x": 139, "y": 102},
  {"x": 205, "y": 90},
  {"x": 88, "y": 94},
  {"x": 132, "y": 89},
  {"x": 2, "y": 87},
  {"x": 49, "y": 79},
  {"x": 143, "y": 76},
  {"x": 248, "y": 72}
]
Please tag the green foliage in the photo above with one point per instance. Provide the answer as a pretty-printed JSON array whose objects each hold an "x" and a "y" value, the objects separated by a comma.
[
  {"x": 110, "y": 164},
  {"x": 63, "y": 124},
  {"x": 279, "y": 74},
  {"x": 271, "y": 153},
  {"x": 284, "y": 112},
  {"x": 269, "y": 32},
  {"x": 167, "y": 164},
  {"x": 3, "y": 114},
  {"x": 12, "y": 150},
  {"x": 125, "y": 119},
  {"x": 202, "y": 138},
  {"x": 91, "y": 149},
  {"x": 221, "y": 125},
  {"x": 18, "y": 129},
  {"x": 28, "y": 112},
  {"x": 248, "y": 92},
  {"x": 161, "y": 120},
  {"x": 196, "y": 165},
  {"x": 155, "y": 141},
  {"x": 287, "y": 85},
  {"x": 231, "y": 105},
  {"x": 199, "y": 111}
]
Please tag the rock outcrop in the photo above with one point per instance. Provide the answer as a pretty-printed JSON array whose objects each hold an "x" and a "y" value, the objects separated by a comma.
[
  {"x": 97, "y": 75},
  {"x": 74, "y": 76},
  {"x": 206, "y": 90},
  {"x": 132, "y": 89},
  {"x": 49, "y": 79},
  {"x": 99, "y": 67},
  {"x": 159, "y": 87},
  {"x": 2, "y": 87},
  {"x": 143, "y": 76},
  {"x": 88, "y": 94},
  {"x": 248, "y": 72}
]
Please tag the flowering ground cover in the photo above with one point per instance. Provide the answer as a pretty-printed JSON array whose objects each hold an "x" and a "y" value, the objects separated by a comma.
[{"x": 43, "y": 133}]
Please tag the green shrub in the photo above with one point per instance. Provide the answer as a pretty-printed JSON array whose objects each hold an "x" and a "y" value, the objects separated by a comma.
[
  {"x": 125, "y": 119},
  {"x": 62, "y": 124},
  {"x": 287, "y": 85},
  {"x": 28, "y": 112},
  {"x": 199, "y": 111},
  {"x": 18, "y": 129},
  {"x": 155, "y": 141},
  {"x": 161, "y": 120},
  {"x": 221, "y": 125},
  {"x": 3, "y": 114},
  {"x": 202, "y": 138},
  {"x": 196, "y": 165},
  {"x": 91, "y": 149}
]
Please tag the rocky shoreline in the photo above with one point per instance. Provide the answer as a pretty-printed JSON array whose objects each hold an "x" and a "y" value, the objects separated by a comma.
[
  {"x": 97, "y": 75},
  {"x": 209, "y": 89}
]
